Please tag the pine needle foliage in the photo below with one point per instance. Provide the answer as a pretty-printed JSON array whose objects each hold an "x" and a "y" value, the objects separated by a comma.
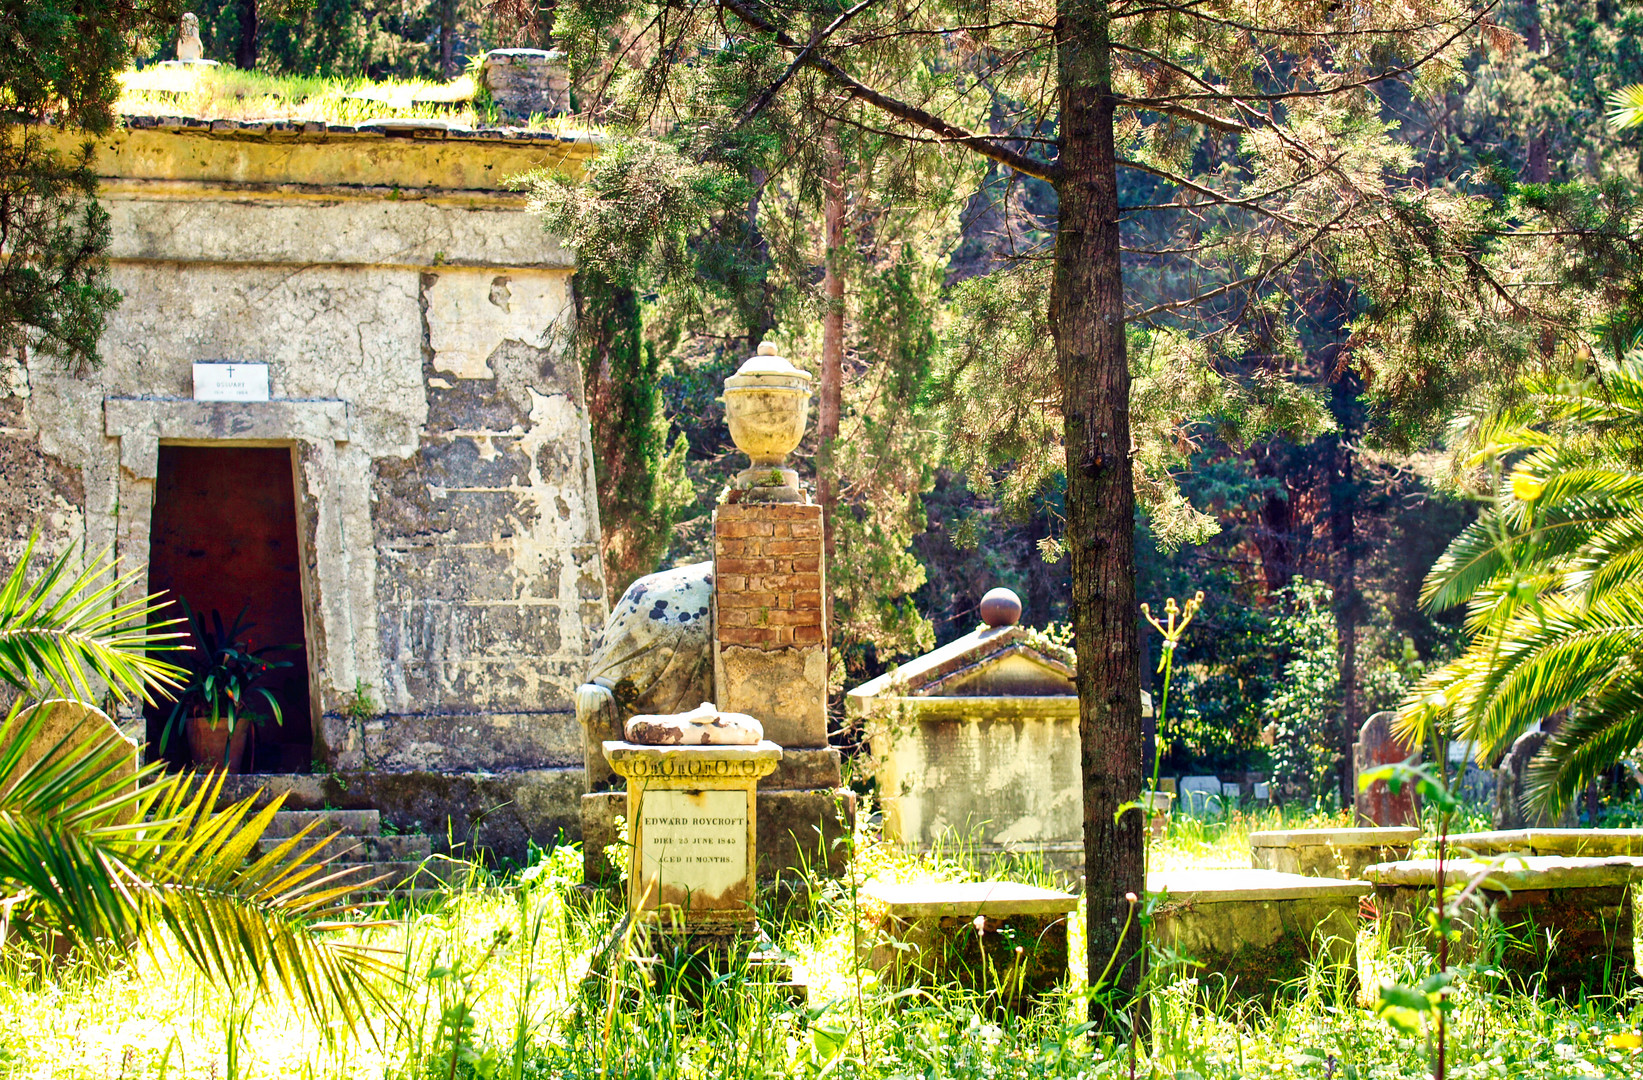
[
  {"x": 58, "y": 65},
  {"x": 1551, "y": 575}
]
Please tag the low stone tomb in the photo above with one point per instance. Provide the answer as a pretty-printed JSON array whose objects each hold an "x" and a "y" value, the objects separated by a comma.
[
  {"x": 1589, "y": 843},
  {"x": 998, "y": 937},
  {"x": 693, "y": 821},
  {"x": 1332, "y": 853},
  {"x": 1570, "y": 918},
  {"x": 1257, "y": 928}
]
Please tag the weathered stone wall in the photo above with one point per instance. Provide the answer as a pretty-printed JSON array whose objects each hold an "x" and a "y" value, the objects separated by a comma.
[{"x": 414, "y": 319}]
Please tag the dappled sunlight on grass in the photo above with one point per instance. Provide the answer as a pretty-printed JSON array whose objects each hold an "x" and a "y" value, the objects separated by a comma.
[{"x": 492, "y": 970}]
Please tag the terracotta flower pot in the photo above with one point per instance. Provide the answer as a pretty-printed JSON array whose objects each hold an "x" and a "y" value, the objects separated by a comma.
[{"x": 212, "y": 747}]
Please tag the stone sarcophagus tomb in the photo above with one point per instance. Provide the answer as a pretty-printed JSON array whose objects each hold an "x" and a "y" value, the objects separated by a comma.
[
  {"x": 975, "y": 745},
  {"x": 745, "y": 632}
]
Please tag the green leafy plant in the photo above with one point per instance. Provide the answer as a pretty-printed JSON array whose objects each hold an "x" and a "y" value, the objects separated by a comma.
[
  {"x": 99, "y": 862},
  {"x": 1429, "y": 1003},
  {"x": 1551, "y": 575},
  {"x": 223, "y": 675},
  {"x": 65, "y": 631}
]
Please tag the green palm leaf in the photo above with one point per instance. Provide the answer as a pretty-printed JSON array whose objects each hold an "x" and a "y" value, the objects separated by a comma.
[
  {"x": 108, "y": 866},
  {"x": 1552, "y": 577},
  {"x": 66, "y": 630},
  {"x": 1626, "y": 107}
]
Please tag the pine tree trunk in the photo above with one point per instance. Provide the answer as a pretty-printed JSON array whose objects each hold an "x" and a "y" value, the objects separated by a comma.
[
  {"x": 832, "y": 358},
  {"x": 447, "y": 39},
  {"x": 245, "y": 50},
  {"x": 1087, "y": 318}
]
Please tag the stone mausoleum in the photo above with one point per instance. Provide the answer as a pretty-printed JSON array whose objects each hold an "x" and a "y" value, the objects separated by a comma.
[{"x": 405, "y": 488}]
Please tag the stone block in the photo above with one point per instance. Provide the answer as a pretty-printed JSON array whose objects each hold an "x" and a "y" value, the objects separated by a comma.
[
  {"x": 1332, "y": 853},
  {"x": 599, "y": 811},
  {"x": 1256, "y": 928},
  {"x": 785, "y": 690},
  {"x": 1565, "y": 922},
  {"x": 1000, "y": 938},
  {"x": 1589, "y": 843},
  {"x": 78, "y": 727},
  {"x": 799, "y": 830},
  {"x": 526, "y": 82},
  {"x": 496, "y": 816},
  {"x": 1510, "y": 811}
]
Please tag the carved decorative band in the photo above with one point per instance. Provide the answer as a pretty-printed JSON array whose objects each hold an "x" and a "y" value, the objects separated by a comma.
[{"x": 693, "y": 769}]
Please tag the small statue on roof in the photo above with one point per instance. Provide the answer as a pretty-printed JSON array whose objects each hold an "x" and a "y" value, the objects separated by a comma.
[{"x": 189, "y": 46}]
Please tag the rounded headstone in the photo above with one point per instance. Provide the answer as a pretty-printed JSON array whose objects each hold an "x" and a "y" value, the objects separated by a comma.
[{"x": 1000, "y": 607}]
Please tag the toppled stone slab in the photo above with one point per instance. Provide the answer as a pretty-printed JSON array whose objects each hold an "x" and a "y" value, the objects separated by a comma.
[
  {"x": 1000, "y": 937},
  {"x": 1564, "y": 921},
  {"x": 1256, "y": 929},
  {"x": 1332, "y": 853},
  {"x": 704, "y": 725},
  {"x": 1589, "y": 843}
]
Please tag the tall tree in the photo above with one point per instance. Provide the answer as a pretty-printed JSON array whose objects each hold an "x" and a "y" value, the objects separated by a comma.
[
  {"x": 1263, "y": 169},
  {"x": 58, "y": 62}
]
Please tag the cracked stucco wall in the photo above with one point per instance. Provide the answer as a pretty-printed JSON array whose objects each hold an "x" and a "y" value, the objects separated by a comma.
[{"x": 450, "y": 522}]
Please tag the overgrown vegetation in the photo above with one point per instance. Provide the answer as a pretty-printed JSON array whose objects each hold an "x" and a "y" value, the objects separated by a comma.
[{"x": 492, "y": 989}]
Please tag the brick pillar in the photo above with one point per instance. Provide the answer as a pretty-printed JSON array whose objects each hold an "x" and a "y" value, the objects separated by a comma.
[
  {"x": 770, "y": 661},
  {"x": 770, "y": 653}
]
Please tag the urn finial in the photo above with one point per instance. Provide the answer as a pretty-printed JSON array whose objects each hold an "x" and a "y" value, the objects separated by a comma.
[{"x": 767, "y": 404}]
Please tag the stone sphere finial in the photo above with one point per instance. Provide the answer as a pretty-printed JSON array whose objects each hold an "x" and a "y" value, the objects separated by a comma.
[
  {"x": 767, "y": 403},
  {"x": 1000, "y": 607}
]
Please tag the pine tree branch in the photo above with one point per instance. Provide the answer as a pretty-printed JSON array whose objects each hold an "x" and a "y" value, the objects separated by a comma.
[
  {"x": 804, "y": 54},
  {"x": 1214, "y": 93},
  {"x": 901, "y": 110}
]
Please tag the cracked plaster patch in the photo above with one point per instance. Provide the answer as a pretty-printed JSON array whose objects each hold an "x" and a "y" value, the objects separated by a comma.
[{"x": 471, "y": 313}]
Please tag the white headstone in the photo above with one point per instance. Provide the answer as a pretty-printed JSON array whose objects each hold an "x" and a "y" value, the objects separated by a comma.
[{"x": 1197, "y": 791}]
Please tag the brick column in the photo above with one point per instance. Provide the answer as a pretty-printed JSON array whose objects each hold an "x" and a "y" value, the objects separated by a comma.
[
  {"x": 770, "y": 661},
  {"x": 770, "y": 653}
]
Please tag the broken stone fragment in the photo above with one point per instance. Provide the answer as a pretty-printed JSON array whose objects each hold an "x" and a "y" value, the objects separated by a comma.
[{"x": 704, "y": 725}]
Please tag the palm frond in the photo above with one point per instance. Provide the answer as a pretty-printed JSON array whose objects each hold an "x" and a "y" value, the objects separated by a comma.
[
  {"x": 1626, "y": 107},
  {"x": 108, "y": 867},
  {"x": 66, "y": 630}
]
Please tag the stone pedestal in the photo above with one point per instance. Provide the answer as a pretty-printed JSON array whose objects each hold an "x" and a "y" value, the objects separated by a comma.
[
  {"x": 1376, "y": 746},
  {"x": 1330, "y": 853},
  {"x": 693, "y": 825},
  {"x": 770, "y": 661},
  {"x": 1256, "y": 928},
  {"x": 1565, "y": 920},
  {"x": 526, "y": 82}
]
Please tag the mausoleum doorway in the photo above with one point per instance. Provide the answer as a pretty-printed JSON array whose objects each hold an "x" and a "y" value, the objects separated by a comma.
[{"x": 224, "y": 537}]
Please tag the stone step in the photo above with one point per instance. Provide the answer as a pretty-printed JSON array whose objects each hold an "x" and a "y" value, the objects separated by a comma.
[
  {"x": 352, "y": 822},
  {"x": 349, "y": 848}
]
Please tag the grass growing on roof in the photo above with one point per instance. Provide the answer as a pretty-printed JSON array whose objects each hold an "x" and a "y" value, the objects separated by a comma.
[{"x": 227, "y": 93}]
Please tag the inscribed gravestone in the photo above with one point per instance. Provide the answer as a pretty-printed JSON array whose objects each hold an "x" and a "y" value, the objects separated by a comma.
[{"x": 694, "y": 847}]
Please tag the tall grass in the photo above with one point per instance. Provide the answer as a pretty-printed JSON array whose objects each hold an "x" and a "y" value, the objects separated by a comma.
[{"x": 493, "y": 986}]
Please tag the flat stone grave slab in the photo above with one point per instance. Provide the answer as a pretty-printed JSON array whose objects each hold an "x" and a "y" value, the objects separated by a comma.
[
  {"x": 1331, "y": 853},
  {"x": 1257, "y": 928},
  {"x": 1585, "y": 843},
  {"x": 1001, "y": 938},
  {"x": 1565, "y": 920}
]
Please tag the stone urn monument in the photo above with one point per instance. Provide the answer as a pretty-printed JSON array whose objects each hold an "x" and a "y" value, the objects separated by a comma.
[
  {"x": 746, "y": 632},
  {"x": 767, "y": 404}
]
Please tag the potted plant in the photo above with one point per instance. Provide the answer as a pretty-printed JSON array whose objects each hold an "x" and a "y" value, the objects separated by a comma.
[{"x": 214, "y": 710}]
